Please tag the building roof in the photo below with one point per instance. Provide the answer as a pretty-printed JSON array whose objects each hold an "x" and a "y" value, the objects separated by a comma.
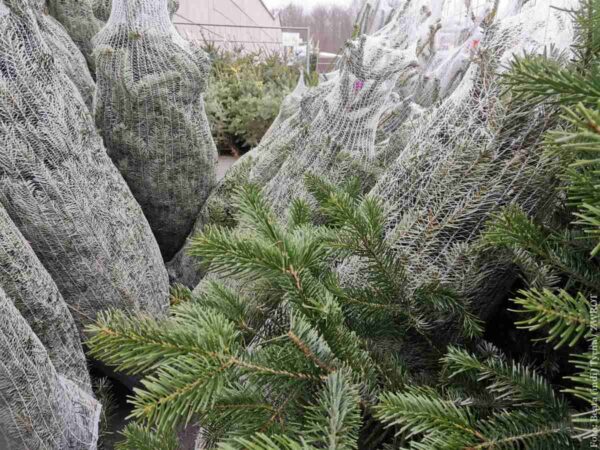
[{"x": 268, "y": 10}]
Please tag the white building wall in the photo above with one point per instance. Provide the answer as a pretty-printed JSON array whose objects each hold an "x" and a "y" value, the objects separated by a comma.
[{"x": 247, "y": 13}]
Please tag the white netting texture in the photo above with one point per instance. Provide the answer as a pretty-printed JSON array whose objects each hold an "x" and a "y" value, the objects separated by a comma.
[
  {"x": 65, "y": 52},
  {"x": 39, "y": 409},
  {"x": 77, "y": 16},
  {"x": 28, "y": 284},
  {"x": 355, "y": 124},
  {"x": 102, "y": 8},
  {"x": 61, "y": 189},
  {"x": 333, "y": 129},
  {"x": 463, "y": 160},
  {"x": 289, "y": 106},
  {"x": 150, "y": 110}
]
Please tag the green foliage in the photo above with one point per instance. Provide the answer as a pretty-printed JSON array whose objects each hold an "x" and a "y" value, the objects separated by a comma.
[
  {"x": 525, "y": 412},
  {"x": 566, "y": 317},
  {"x": 290, "y": 352},
  {"x": 180, "y": 294},
  {"x": 244, "y": 96},
  {"x": 585, "y": 381},
  {"x": 539, "y": 78},
  {"x": 334, "y": 420},
  {"x": 263, "y": 442},
  {"x": 563, "y": 308},
  {"x": 140, "y": 438},
  {"x": 276, "y": 351}
]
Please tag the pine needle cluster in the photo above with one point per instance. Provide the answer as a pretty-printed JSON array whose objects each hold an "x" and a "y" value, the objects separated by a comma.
[{"x": 279, "y": 354}]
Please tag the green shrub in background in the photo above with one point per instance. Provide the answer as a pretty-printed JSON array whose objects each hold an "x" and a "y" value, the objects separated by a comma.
[{"x": 244, "y": 96}]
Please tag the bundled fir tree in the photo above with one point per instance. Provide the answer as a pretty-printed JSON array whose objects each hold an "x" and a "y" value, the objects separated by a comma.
[
  {"x": 509, "y": 405},
  {"x": 150, "y": 112},
  {"x": 77, "y": 16},
  {"x": 283, "y": 350},
  {"x": 285, "y": 355},
  {"x": 39, "y": 407},
  {"x": 64, "y": 50},
  {"x": 26, "y": 282},
  {"x": 59, "y": 187}
]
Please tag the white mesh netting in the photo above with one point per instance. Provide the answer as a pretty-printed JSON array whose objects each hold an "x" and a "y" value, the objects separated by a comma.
[
  {"x": 150, "y": 110},
  {"x": 102, "y": 8},
  {"x": 463, "y": 160},
  {"x": 354, "y": 124},
  {"x": 39, "y": 409},
  {"x": 289, "y": 106},
  {"x": 77, "y": 16},
  {"x": 335, "y": 120},
  {"x": 26, "y": 282},
  {"x": 60, "y": 188},
  {"x": 65, "y": 52}
]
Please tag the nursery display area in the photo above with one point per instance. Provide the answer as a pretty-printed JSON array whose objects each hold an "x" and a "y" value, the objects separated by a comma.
[{"x": 407, "y": 255}]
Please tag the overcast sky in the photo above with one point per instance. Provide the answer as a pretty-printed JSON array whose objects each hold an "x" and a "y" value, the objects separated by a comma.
[{"x": 307, "y": 3}]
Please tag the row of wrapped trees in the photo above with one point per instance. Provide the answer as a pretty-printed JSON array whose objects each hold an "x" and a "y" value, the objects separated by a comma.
[
  {"x": 107, "y": 166},
  {"x": 76, "y": 235},
  {"x": 323, "y": 295},
  {"x": 400, "y": 112}
]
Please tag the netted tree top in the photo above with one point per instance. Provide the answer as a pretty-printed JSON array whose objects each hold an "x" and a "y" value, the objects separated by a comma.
[
  {"x": 150, "y": 110},
  {"x": 77, "y": 16},
  {"x": 475, "y": 118},
  {"x": 64, "y": 50},
  {"x": 102, "y": 8},
  {"x": 39, "y": 409},
  {"x": 334, "y": 126},
  {"x": 343, "y": 129},
  {"x": 60, "y": 188},
  {"x": 470, "y": 156}
]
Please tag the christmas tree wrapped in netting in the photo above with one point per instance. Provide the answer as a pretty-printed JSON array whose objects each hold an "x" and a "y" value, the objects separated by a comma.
[
  {"x": 332, "y": 129},
  {"x": 64, "y": 50},
  {"x": 77, "y": 16},
  {"x": 27, "y": 283},
  {"x": 61, "y": 189},
  {"x": 445, "y": 44},
  {"x": 450, "y": 40},
  {"x": 335, "y": 131},
  {"x": 150, "y": 110},
  {"x": 39, "y": 408},
  {"x": 464, "y": 160}
]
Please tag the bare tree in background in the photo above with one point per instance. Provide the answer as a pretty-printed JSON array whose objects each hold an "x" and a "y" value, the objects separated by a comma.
[{"x": 330, "y": 26}]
